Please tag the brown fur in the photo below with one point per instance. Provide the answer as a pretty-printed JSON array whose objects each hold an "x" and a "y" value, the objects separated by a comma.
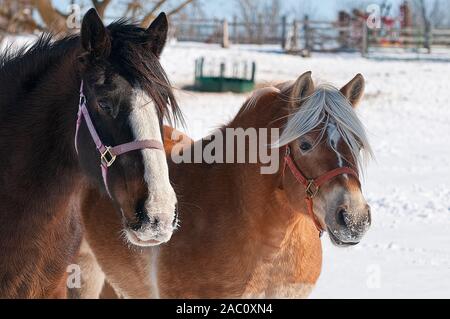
[{"x": 40, "y": 172}]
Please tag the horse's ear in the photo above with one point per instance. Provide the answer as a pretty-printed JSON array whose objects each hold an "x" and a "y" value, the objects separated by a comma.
[
  {"x": 354, "y": 90},
  {"x": 302, "y": 88},
  {"x": 94, "y": 37},
  {"x": 157, "y": 33}
]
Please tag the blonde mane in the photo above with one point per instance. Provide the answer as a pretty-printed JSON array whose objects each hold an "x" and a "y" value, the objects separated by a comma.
[{"x": 327, "y": 106}]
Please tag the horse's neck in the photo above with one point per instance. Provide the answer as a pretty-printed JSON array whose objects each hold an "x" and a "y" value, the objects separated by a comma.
[
  {"x": 286, "y": 258},
  {"x": 45, "y": 114},
  {"x": 245, "y": 216},
  {"x": 37, "y": 136}
]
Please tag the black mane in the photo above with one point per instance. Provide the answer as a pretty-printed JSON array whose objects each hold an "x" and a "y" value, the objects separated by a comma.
[{"x": 21, "y": 70}]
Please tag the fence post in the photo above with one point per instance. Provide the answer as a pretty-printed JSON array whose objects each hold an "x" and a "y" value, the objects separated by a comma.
[
  {"x": 428, "y": 37},
  {"x": 253, "y": 71},
  {"x": 365, "y": 39},
  {"x": 225, "y": 35},
  {"x": 260, "y": 29},
  {"x": 307, "y": 32},
  {"x": 283, "y": 32},
  {"x": 222, "y": 75},
  {"x": 294, "y": 41},
  {"x": 235, "y": 37}
]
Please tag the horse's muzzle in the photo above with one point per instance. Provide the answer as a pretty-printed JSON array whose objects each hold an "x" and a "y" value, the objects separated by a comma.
[{"x": 349, "y": 225}]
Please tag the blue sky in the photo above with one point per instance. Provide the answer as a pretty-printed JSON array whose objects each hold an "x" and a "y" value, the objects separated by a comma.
[
  {"x": 227, "y": 8},
  {"x": 323, "y": 9}
]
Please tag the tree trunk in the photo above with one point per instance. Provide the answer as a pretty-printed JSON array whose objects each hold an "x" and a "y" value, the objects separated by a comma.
[
  {"x": 54, "y": 20},
  {"x": 152, "y": 14},
  {"x": 101, "y": 6}
]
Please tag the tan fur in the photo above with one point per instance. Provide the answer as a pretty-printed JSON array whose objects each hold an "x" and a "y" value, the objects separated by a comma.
[
  {"x": 103, "y": 233},
  {"x": 92, "y": 276}
]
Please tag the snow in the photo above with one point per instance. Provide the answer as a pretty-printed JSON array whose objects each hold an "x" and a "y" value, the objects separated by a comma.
[
  {"x": 406, "y": 253},
  {"x": 16, "y": 42}
]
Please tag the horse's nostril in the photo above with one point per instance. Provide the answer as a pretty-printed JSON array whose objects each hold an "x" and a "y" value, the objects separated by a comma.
[
  {"x": 141, "y": 213},
  {"x": 142, "y": 217},
  {"x": 340, "y": 217},
  {"x": 135, "y": 226}
]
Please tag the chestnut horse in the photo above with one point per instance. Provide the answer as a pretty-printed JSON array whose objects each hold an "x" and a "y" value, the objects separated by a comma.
[
  {"x": 112, "y": 77},
  {"x": 244, "y": 234}
]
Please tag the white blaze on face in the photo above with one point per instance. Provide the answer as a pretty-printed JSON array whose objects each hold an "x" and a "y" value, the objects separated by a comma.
[
  {"x": 340, "y": 196},
  {"x": 334, "y": 137},
  {"x": 160, "y": 204}
]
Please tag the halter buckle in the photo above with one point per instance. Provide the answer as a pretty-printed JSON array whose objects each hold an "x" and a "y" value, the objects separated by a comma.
[
  {"x": 82, "y": 99},
  {"x": 312, "y": 189},
  {"x": 287, "y": 153},
  {"x": 107, "y": 158}
]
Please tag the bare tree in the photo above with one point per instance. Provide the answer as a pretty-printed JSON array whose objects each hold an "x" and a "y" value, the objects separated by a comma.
[
  {"x": 53, "y": 18},
  {"x": 260, "y": 18},
  {"x": 101, "y": 6},
  {"x": 306, "y": 8},
  {"x": 17, "y": 16},
  {"x": 148, "y": 18},
  {"x": 431, "y": 13}
]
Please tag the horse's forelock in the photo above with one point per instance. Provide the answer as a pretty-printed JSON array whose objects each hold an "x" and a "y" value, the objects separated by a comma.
[
  {"x": 327, "y": 105},
  {"x": 145, "y": 69}
]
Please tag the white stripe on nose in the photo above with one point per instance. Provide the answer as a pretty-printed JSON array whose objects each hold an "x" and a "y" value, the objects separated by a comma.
[
  {"x": 334, "y": 137},
  {"x": 145, "y": 124}
]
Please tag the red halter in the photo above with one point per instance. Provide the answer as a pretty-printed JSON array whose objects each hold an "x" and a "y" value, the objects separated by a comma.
[
  {"x": 312, "y": 186},
  {"x": 108, "y": 154}
]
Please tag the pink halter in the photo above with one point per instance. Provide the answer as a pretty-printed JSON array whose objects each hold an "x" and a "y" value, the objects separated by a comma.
[{"x": 108, "y": 154}]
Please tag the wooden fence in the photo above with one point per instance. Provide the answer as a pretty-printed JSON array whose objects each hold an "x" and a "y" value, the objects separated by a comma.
[
  {"x": 323, "y": 36},
  {"x": 292, "y": 36},
  {"x": 309, "y": 36},
  {"x": 214, "y": 31},
  {"x": 406, "y": 38},
  {"x": 305, "y": 36}
]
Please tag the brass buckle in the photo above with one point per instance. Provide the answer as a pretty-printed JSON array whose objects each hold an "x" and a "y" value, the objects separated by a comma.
[
  {"x": 312, "y": 190},
  {"x": 107, "y": 157}
]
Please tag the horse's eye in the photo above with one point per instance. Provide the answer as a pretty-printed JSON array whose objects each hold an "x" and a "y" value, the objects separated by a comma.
[
  {"x": 305, "y": 146},
  {"x": 105, "y": 107}
]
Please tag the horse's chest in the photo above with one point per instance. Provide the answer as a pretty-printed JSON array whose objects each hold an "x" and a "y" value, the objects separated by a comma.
[
  {"x": 292, "y": 273},
  {"x": 37, "y": 265},
  {"x": 277, "y": 280}
]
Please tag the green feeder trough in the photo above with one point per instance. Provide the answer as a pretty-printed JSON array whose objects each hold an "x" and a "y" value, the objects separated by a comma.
[{"x": 222, "y": 83}]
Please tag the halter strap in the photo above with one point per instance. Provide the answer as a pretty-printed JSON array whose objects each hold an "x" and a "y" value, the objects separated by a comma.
[
  {"x": 108, "y": 154},
  {"x": 312, "y": 186}
]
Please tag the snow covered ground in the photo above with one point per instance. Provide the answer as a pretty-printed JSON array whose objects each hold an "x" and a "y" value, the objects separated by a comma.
[
  {"x": 406, "y": 110},
  {"x": 406, "y": 254}
]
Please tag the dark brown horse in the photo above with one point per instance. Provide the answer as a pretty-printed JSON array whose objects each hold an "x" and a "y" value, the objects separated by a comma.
[
  {"x": 44, "y": 162},
  {"x": 243, "y": 233}
]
